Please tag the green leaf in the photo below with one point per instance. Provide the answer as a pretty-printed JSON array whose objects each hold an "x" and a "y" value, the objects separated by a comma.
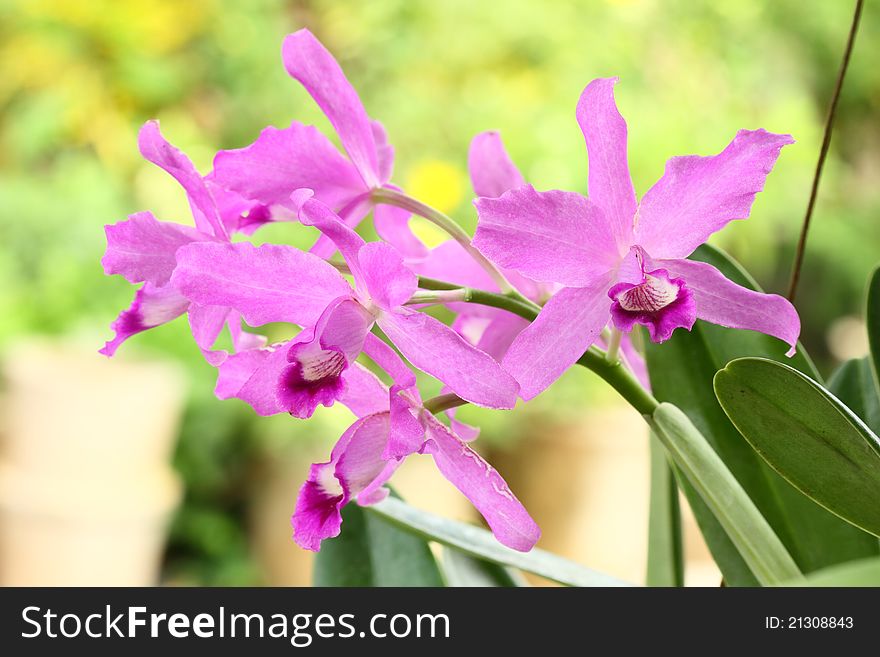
[
  {"x": 807, "y": 435},
  {"x": 853, "y": 383},
  {"x": 754, "y": 539},
  {"x": 872, "y": 316},
  {"x": 480, "y": 543},
  {"x": 372, "y": 552},
  {"x": 682, "y": 370},
  {"x": 862, "y": 572},
  {"x": 665, "y": 555},
  {"x": 463, "y": 570}
]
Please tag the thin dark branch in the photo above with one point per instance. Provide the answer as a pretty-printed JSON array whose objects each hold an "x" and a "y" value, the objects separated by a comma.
[{"x": 826, "y": 142}]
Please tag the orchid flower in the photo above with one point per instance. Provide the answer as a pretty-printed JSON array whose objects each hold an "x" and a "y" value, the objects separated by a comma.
[
  {"x": 142, "y": 250},
  {"x": 622, "y": 261},
  {"x": 283, "y": 160},
  {"x": 374, "y": 446},
  {"x": 493, "y": 330},
  {"x": 282, "y": 284}
]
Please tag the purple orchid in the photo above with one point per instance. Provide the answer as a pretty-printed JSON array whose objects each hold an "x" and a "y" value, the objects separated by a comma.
[
  {"x": 624, "y": 262},
  {"x": 142, "y": 250},
  {"x": 282, "y": 284},
  {"x": 281, "y": 161},
  {"x": 374, "y": 446},
  {"x": 493, "y": 330}
]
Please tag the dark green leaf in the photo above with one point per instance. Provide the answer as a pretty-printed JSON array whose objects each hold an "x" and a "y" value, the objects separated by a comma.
[
  {"x": 853, "y": 383},
  {"x": 872, "y": 315},
  {"x": 372, "y": 552},
  {"x": 748, "y": 530},
  {"x": 682, "y": 370},
  {"x": 480, "y": 543},
  {"x": 807, "y": 435},
  {"x": 466, "y": 571},
  {"x": 665, "y": 559}
]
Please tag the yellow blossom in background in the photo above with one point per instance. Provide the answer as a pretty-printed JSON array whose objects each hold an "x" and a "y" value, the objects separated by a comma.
[
  {"x": 440, "y": 185},
  {"x": 72, "y": 60}
]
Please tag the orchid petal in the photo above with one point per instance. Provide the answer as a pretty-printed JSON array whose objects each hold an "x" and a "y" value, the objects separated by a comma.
[
  {"x": 309, "y": 62},
  {"x": 433, "y": 347},
  {"x": 551, "y": 236},
  {"x": 466, "y": 432},
  {"x": 269, "y": 283},
  {"x": 389, "y": 282},
  {"x": 566, "y": 326},
  {"x": 355, "y": 463},
  {"x": 634, "y": 361},
  {"x": 451, "y": 263},
  {"x": 243, "y": 340},
  {"x": 344, "y": 327},
  {"x": 610, "y": 185},
  {"x": 231, "y": 206},
  {"x": 283, "y": 160},
  {"x": 157, "y": 150},
  {"x": 384, "y": 150},
  {"x": 252, "y": 376},
  {"x": 152, "y": 306},
  {"x": 386, "y": 358},
  {"x": 313, "y": 212},
  {"x": 317, "y": 515},
  {"x": 142, "y": 248},
  {"x": 392, "y": 225},
  {"x": 319, "y": 357},
  {"x": 491, "y": 169},
  {"x": 376, "y": 491},
  {"x": 359, "y": 463},
  {"x": 364, "y": 392},
  {"x": 721, "y": 301},
  {"x": 350, "y": 215},
  {"x": 406, "y": 434},
  {"x": 483, "y": 486},
  {"x": 206, "y": 322},
  {"x": 500, "y": 332},
  {"x": 699, "y": 195}
]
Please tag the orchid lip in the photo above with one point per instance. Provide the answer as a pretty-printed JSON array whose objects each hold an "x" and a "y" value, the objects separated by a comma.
[
  {"x": 330, "y": 365},
  {"x": 654, "y": 294},
  {"x": 658, "y": 302}
]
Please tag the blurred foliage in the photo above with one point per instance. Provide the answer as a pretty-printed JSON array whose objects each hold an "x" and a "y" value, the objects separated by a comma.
[{"x": 77, "y": 79}]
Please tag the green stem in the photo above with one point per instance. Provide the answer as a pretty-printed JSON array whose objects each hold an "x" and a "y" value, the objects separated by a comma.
[
  {"x": 522, "y": 307},
  {"x": 614, "y": 373},
  {"x": 442, "y": 403},
  {"x": 823, "y": 151},
  {"x": 612, "y": 356},
  {"x": 437, "y": 296},
  {"x": 621, "y": 379},
  {"x": 401, "y": 200}
]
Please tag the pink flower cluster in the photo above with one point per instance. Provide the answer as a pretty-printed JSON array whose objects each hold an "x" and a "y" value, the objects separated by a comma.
[{"x": 591, "y": 263}]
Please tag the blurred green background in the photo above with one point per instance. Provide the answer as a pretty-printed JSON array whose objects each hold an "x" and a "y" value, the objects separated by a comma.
[{"x": 77, "y": 79}]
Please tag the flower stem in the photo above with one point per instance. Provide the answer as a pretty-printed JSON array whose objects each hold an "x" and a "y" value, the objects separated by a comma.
[
  {"x": 612, "y": 355},
  {"x": 401, "y": 200},
  {"x": 442, "y": 403},
  {"x": 437, "y": 296},
  {"x": 621, "y": 379},
  {"x": 823, "y": 152},
  {"x": 521, "y": 307},
  {"x": 614, "y": 373}
]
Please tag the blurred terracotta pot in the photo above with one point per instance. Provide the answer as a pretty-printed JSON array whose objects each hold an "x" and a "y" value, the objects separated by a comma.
[
  {"x": 77, "y": 532},
  {"x": 68, "y": 406},
  {"x": 86, "y": 489}
]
